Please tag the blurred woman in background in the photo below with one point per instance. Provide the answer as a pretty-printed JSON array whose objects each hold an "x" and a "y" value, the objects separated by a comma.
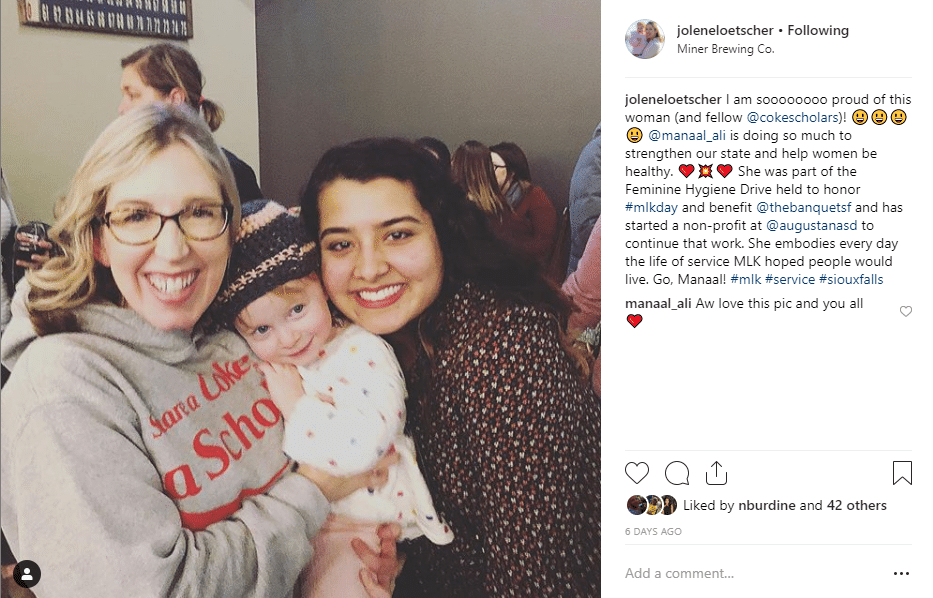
[
  {"x": 472, "y": 169},
  {"x": 533, "y": 222},
  {"x": 169, "y": 73}
]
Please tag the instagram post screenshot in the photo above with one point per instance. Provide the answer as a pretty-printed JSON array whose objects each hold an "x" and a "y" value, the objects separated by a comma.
[
  {"x": 303, "y": 299},
  {"x": 766, "y": 409}
]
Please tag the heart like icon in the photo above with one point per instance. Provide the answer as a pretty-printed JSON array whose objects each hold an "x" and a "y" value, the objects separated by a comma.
[
  {"x": 724, "y": 169},
  {"x": 634, "y": 319},
  {"x": 686, "y": 169},
  {"x": 905, "y": 310},
  {"x": 636, "y": 471}
]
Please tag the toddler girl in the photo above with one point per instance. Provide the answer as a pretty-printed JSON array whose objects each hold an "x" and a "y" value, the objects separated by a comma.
[
  {"x": 338, "y": 386},
  {"x": 637, "y": 40}
]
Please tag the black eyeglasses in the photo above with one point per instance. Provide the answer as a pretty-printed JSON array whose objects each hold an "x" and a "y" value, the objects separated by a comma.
[{"x": 138, "y": 226}]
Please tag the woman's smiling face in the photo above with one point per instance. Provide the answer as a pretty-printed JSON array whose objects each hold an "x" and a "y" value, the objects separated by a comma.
[
  {"x": 380, "y": 256},
  {"x": 171, "y": 280}
]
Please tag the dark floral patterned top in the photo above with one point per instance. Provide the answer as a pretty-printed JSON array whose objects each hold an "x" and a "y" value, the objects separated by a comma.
[{"x": 508, "y": 439}]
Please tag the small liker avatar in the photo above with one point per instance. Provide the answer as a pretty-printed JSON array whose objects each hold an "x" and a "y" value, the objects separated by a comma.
[{"x": 637, "y": 505}]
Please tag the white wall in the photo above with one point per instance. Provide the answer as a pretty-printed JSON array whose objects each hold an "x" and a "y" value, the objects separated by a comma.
[{"x": 59, "y": 89}]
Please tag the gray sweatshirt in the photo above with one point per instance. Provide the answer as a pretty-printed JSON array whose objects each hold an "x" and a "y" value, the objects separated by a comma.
[{"x": 136, "y": 462}]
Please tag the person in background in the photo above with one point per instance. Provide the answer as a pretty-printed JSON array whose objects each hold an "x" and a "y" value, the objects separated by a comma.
[
  {"x": 140, "y": 454},
  {"x": 7, "y": 233},
  {"x": 438, "y": 148},
  {"x": 13, "y": 267},
  {"x": 506, "y": 428},
  {"x": 584, "y": 200},
  {"x": 533, "y": 221},
  {"x": 472, "y": 169},
  {"x": 168, "y": 73},
  {"x": 583, "y": 286}
]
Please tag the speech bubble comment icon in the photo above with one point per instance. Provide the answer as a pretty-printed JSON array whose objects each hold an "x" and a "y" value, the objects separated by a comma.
[{"x": 677, "y": 473}]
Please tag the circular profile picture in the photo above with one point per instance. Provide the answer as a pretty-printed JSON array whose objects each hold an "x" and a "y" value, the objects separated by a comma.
[
  {"x": 654, "y": 504},
  {"x": 644, "y": 38},
  {"x": 637, "y": 505},
  {"x": 669, "y": 504}
]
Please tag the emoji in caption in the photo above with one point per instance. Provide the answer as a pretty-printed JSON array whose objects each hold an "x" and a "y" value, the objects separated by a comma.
[
  {"x": 634, "y": 320},
  {"x": 634, "y": 134},
  {"x": 898, "y": 117},
  {"x": 860, "y": 117},
  {"x": 706, "y": 171},
  {"x": 879, "y": 116},
  {"x": 686, "y": 169},
  {"x": 724, "y": 170}
]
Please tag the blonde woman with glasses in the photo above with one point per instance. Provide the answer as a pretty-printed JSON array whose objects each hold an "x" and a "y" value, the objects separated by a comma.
[{"x": 141, "y": 454}]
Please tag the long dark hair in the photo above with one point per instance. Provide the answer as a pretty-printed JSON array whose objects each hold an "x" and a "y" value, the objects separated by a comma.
[
  {"x": 514, "y": 159},
  {"x": 471, "y": 252}
]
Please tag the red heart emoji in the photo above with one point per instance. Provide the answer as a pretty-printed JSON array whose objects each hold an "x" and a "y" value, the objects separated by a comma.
[
  {"x": 724, "y": 169},
  {"x": 634, "y": 320},
  {"x": 686, "y": 169}
]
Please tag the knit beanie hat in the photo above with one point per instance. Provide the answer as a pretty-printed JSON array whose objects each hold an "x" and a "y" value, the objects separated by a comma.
[{"x": 270, "y": 249}]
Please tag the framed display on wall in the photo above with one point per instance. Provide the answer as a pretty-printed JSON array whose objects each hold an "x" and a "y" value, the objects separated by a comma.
[{"x": 149, "y": 18}]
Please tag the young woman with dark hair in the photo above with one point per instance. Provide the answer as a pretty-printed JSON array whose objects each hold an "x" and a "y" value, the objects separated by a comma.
[
  {"x": 533, "y": 222},
  {"x": 506, "y": 428},
  {"x": 141, "y": 454}
]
